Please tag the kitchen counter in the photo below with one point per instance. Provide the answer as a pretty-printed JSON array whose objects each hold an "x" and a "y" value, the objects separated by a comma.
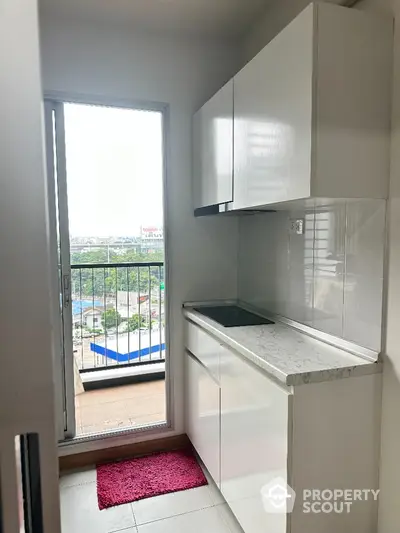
[{"x": 288, "y": 355}]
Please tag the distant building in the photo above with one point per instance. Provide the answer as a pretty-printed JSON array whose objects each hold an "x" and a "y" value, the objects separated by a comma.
[
  {"x": 90, "y": 318},
  {"x": 128, "y": 303}
]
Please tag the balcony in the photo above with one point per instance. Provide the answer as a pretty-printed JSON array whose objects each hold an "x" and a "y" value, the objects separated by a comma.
[
  {"x": 121, "y": 407},
  {"x": 119, "y": 345}
]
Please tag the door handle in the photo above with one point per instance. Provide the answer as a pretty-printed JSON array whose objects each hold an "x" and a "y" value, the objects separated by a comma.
[{"x": 66, "y": 290}]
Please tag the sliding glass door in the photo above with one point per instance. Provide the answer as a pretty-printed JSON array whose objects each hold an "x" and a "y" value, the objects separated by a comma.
[
  {"x": 105, "y": 174},
  {"x": 61, "y": 268}
]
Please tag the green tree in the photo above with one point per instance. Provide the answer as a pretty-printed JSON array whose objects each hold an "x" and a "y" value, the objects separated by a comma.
[
  {"x": 135, "y": 322},
  {"x": 97, "y": 283},
  {"x": 110, "y": 319},
  {"x": 96, "y": 331}
]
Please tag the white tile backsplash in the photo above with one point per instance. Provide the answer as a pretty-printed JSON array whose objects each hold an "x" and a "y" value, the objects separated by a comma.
[
  {"x": 329, "y": 265},
  {"x": 330, "y": 277},
  {"x": 365, "y": 239}
]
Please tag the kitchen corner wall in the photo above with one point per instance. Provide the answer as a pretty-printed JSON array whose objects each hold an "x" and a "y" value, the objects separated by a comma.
[{"x": 330, "y": 277}]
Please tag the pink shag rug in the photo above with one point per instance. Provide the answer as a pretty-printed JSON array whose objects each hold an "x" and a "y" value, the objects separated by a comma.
[{"x": 134, "y": 479}]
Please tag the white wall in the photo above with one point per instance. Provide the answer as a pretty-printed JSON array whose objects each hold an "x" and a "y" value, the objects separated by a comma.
[
  {"x": 278, "y": 15},
  {"x": 329, "y": 278},
  {"x": 112, "y": 62},
  {"x": 26, "y": 376},
  {"x": 389, "y": 510}
]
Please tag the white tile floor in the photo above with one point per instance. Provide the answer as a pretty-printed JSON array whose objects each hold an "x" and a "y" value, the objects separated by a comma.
[{"x": 200, "y": 510}]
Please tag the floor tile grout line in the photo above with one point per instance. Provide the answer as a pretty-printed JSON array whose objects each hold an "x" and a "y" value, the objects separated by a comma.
[
  {"x": 80, "y": 484},
  {"x": 134, "y": 528},
  {"x": 172, "y": 516},
  {"x": 134, "y": 516},
  {"x": 223, "y": 519}
]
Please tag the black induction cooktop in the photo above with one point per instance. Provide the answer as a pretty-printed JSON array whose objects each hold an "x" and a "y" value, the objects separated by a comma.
[{"x": 231, "y": 316}]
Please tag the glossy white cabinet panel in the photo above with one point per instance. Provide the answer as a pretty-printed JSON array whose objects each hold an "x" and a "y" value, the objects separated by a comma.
[
  {"x": 203, "y": 414},
  {"x": 312, "y": 111},
  {"x": 335, "y": 444},
  {"x": 204, "y": 346},
  {"x": 272, "y": 122},
  {"x": 254, "y": 441},
  {"x": 213, "y": 150},
  {"x": 352, "y": 103}
]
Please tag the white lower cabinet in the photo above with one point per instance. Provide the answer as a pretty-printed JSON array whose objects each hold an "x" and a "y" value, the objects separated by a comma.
[
  {"x": 255, "y": 436},
  {"x": 254, "y": 442},
  {"x": 203, "y": 414}
]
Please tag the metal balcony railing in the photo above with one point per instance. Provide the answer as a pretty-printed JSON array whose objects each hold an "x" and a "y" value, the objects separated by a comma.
[{"x": 118, "y": 314}]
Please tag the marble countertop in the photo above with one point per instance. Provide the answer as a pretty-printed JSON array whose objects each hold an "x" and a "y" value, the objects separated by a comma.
[{"x": 288, "y": 355}]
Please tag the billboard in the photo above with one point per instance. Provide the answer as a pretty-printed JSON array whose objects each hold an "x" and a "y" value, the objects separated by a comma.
[{"x": 152, "y": 233}]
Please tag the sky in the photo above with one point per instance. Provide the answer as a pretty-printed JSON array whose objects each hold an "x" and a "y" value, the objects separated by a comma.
[{"x": 114, "y": 170}]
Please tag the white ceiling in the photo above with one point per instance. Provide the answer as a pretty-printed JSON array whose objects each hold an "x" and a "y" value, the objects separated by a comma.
[{"x": 220, "y": 18}]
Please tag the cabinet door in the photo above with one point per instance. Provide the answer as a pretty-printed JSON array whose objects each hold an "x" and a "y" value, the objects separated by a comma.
[
  {"x": 254, "y": 442},
  {"x": 273, "y": 119},
  {"x": 213, "y": 150},
  {"x": 203, "y": 414}
]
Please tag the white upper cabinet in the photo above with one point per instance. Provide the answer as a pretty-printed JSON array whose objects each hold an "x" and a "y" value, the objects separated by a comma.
[
  {"x": 311, "y": 115},
  {"x": 213, "y": 150},
  {"x": 272, "y": 126},
  {"x": 312, "y": 111}
]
